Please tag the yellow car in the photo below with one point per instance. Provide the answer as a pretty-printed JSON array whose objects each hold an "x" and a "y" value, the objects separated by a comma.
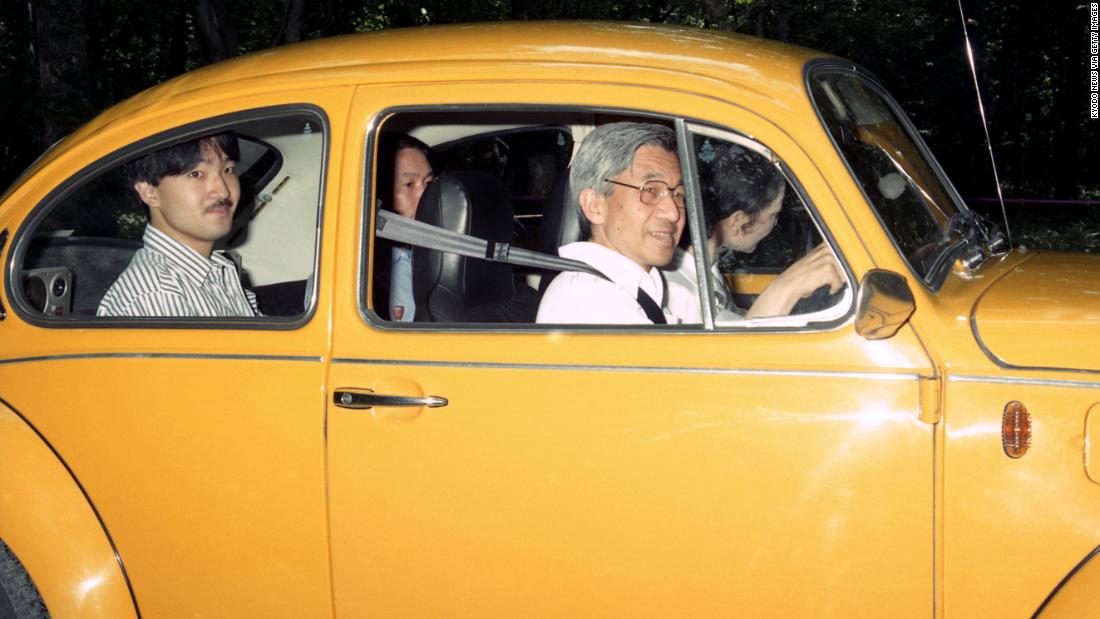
[{"x": 918, "y": 443}]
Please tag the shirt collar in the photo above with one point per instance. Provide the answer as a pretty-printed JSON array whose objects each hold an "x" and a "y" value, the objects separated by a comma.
[
  {"x": 683, "y": 261},
  {"x": 617, "y": 267},
  {"x": 193, "y": 264}
]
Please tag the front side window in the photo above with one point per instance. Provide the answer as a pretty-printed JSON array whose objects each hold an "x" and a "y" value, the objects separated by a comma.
[
  {"x": 525, "y": 220},
  {"x": 218, "y": 223},
  {"x": 910, "y": 198}
]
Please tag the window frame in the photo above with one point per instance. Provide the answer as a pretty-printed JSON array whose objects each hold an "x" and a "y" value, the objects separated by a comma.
[
  {"x": 771, "y": 323},
  {"x": 23, "y": 236},
  {"x": 934, "y": 280},
  {"x": 694, "y": 225}
]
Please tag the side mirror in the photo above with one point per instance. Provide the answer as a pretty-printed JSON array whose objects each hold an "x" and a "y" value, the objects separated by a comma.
[{"x": 885, "y": 304}]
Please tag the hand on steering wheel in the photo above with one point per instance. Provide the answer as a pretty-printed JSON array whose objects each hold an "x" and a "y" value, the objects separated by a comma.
[{"x": 816, "y": 270}]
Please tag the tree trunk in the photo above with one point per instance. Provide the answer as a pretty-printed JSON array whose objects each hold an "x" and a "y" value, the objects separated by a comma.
[
  {"x": 217, "y": 38},
  {"x": 291, "y": 29},
  {"x": 718, "y": 13},
  {"x": 783, "y": 26},
  {"x": 59, "y": 55},
  {"x": 1069, "y": 104}
]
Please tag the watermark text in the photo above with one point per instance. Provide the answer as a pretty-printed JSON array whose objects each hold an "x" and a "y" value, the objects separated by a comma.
[{"x": 1094, "y": 60}]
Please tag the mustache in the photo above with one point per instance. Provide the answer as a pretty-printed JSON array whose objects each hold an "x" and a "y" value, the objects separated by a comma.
[{"x": 220, "y": 203}]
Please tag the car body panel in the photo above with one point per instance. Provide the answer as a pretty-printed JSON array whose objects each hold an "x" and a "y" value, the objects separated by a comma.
[
  {"x": 1055, "y": 299},
  {"x": 42, "y": 507},
  {"x": 524, "y": 490},
  {"x": 1036, "y": 513},
  {"x": 1076, "y": 596},
  {"x": 189, "y": 502},
  {"x": 207, "y": 447},
  {"x": 589, "y": 494},
  {"x": 998, "y": 513},
  {"x": 769, "y": 472}
]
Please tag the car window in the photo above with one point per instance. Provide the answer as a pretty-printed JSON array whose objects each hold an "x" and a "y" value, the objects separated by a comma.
[
  {"x": 758, "y": 224},
  {"x": 898, "y": 177},
  {"x": 528, "y": 160},
  {"x": 514, "y": 163},
  {"x": 503, "y": 181},
  {"x": 77, "y": 245}
]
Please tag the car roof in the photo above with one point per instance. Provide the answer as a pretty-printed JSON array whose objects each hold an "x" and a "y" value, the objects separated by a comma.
[{"x": 770, "y": 68}]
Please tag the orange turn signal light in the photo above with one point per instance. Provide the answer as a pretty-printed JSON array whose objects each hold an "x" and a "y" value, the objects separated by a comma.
[{"x": 1015, "y": 429}]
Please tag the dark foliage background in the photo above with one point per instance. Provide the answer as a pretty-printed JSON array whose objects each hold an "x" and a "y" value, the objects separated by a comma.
[{"x": 63, "y": 61}]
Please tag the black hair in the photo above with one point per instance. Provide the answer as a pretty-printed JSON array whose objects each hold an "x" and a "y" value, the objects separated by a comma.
[
  {"x": 737, "y": 180},
  {"x": 389, "y": 143},
  {"x": 180, "y": 158}
]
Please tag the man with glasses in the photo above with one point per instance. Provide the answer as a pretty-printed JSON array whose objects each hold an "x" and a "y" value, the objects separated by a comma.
[{"x": 626, "y": 185}]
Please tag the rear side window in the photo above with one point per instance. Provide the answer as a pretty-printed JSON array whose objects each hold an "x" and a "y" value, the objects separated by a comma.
[{"x": 81, "y": 241}]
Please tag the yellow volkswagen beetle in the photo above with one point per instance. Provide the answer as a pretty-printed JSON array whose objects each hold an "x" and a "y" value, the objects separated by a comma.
[{"x": 916, "y": 443}]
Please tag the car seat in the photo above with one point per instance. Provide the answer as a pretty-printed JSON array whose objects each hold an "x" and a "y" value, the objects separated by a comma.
[
  {"x": 453, "y": 288},
  {"x": 560, "y": 224}
]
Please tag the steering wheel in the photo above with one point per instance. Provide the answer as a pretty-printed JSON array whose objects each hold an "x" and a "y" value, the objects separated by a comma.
[{"x": 818, "y": 300}]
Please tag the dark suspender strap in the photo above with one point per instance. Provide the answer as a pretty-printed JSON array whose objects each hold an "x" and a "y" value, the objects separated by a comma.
[
  {"x": 649, "y": 306},
  {"x": 651, "y": 309}
]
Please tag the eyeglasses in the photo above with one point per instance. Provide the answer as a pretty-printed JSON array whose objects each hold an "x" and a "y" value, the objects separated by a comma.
[{"x": 654, "y": 191}]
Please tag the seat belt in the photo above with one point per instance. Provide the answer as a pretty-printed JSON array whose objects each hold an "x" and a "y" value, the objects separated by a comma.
[
  {"x": 652, "y": 310},
  {"x": 394, "y": 227}
]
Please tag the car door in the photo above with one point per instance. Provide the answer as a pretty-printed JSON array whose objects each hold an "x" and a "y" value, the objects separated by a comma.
[{"x": 682, "y": 471}]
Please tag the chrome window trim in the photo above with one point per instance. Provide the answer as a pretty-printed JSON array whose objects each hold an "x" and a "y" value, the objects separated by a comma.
[
  {"x": 370, "y": 201},
  {"x": 1020, "y": 380},
  {"x": 820, "y": 66},
  {"x": 792, "y": 183},
  {"x": 696, "y": 224},
  {"x": 487, "y": 365},
  {"x": 159, "y": 355},
  {"x": 46, "y": 205},
  {"x": 370, "y": 167}
]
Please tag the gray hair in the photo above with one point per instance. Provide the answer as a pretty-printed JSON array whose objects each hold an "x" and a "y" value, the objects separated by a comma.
[{"x": 606, "y": 153}]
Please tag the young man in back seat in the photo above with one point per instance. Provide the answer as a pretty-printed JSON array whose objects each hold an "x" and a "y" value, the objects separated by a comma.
[{"x": 191, "y": 191}]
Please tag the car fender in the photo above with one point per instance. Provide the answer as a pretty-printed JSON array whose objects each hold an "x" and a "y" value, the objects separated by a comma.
[
  {"x": 1078, "y": 595},
  {"x": 53, "y": 528}
]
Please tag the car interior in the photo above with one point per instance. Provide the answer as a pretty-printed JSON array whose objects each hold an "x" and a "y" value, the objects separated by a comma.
[
  {"x": 501, "y": 178},
  {"x": 84, "y": 241}
]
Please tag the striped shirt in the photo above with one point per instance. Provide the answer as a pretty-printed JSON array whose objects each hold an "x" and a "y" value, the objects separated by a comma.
[{"x": 166, "y": 278}]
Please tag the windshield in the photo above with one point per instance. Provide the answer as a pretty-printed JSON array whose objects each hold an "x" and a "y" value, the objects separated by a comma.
[{"x": 901, "y": 184}]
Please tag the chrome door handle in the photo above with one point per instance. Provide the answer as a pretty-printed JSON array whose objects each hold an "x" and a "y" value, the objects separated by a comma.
[{"x": 361, "y": 400}]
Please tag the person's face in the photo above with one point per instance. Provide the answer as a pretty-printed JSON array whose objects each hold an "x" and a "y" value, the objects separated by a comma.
[
  {"x": 743, "y": 236},
  {"x": 196, "y": 207},
  {"x": 411, "y": 175},
  {"x": 646, "y": 234}
]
